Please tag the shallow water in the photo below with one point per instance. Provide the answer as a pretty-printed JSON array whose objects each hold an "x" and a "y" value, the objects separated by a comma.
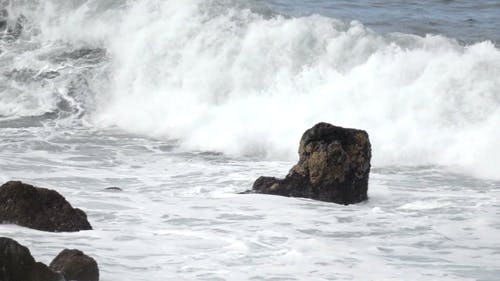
[
  {"x": 184, "y": 104},
  {"x": 179, "y": 215}
]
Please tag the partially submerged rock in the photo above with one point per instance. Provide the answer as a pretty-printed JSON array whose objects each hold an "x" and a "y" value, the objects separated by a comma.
[
  {"x": 17, "y": 264},
  {"x": 75, "y": 265},
  {"x": 334, "y": 166},
  {"x": 113, "y": 188},
  {"x": 39, "y": 208}
]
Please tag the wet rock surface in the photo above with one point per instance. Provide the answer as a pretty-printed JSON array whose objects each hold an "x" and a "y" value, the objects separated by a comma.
[
  {"x": 75, "y": 265},
  {"x": 17, "y": 264},
  {"x": 334, "y": 166},
  {"x": 39, "y": 208},
  {"x": 113, "y": 188}
]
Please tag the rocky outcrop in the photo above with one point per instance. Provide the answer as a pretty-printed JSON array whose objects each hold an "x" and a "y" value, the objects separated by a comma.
[
  {"x": 39, "y": 208},
  {"x": 334, "y": 166},
  {"x": 75, "y": 265},
  {"x": 16, "y": 264}
]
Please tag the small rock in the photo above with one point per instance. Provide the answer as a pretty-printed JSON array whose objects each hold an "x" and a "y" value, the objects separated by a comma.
[
  {"x": 39, "y": 208},
  {"x": 334, "y": 166},
  {"x": 17, "y": 264},
  {"x": 75, "y": 265}
]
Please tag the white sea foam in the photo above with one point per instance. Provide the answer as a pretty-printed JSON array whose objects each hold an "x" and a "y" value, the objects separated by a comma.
[
  {"x": 179, "y": 217},
  {"x": 223, "y": 78},
  {"x": 423, "y": 205}
]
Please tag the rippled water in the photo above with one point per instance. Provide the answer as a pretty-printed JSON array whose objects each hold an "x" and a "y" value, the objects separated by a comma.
[
  {"x": 467, "y": 21},
  {"x": 179, "y": 215}
]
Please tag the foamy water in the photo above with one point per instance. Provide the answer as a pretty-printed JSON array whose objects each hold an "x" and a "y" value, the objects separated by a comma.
[
  {"x": 179, "y": 216},
  {"x": 184, "y": 104}
]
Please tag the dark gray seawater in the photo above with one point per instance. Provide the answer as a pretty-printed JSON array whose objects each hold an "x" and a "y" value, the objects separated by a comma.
[
  {"x": 466, "y": 21},
  {"x": 182, "y": 104}
]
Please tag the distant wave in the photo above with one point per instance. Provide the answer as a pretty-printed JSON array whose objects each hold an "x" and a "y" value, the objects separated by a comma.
[{"x": 220, "y": 76}]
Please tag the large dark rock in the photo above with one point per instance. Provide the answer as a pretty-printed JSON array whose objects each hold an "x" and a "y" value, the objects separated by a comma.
[
  {"x": 75, "y": 265},
  {"x": 39, "y": 208},
  {"x": 17, "y": 264},
  {"x": 334, "y": 166}
]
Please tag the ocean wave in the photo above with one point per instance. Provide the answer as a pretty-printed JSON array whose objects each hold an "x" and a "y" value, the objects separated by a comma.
[{"x": 223, "y": 76}]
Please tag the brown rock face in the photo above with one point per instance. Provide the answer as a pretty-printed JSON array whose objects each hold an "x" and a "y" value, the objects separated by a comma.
[
  {"x": 16, "y": 264},
  {"x": 75, "y": 265},
  {"x": 334, "y": 166},
  {"x": 39, "y": 208}
]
